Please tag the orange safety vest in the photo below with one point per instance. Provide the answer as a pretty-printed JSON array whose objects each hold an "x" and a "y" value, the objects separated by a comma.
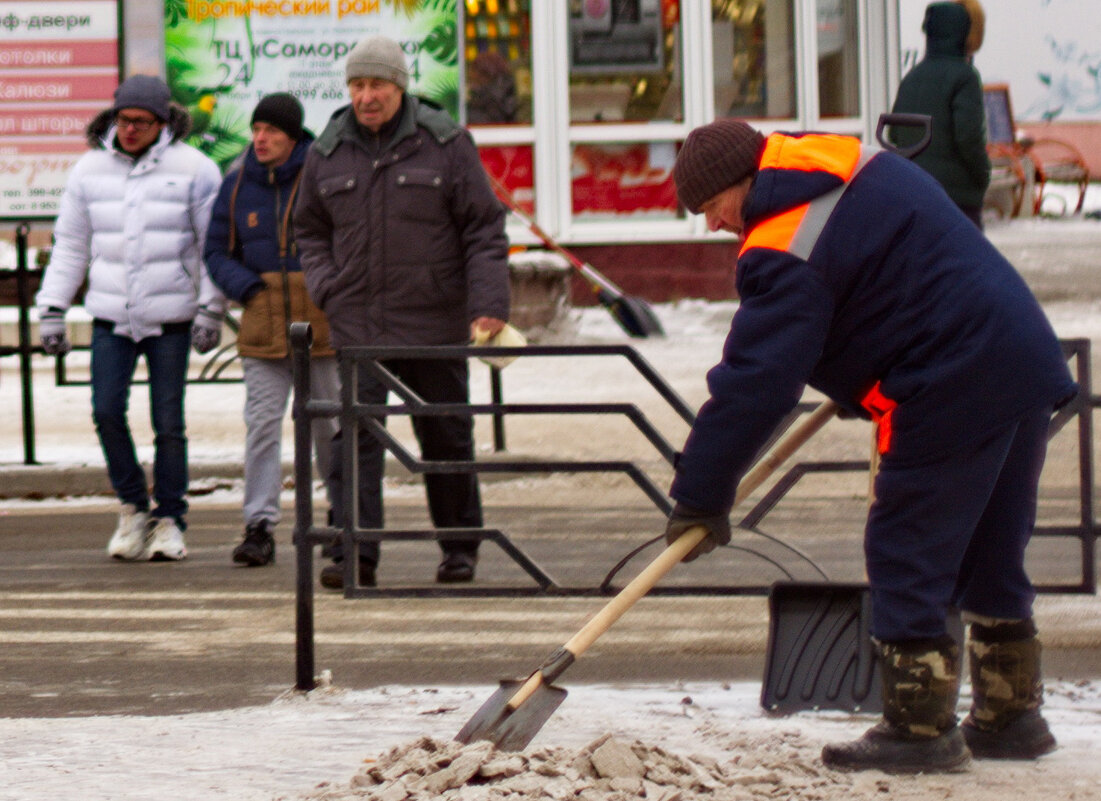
[{"x": 796, "y": 231}]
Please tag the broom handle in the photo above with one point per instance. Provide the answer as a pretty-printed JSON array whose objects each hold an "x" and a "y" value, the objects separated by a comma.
[
  {"x": 595, "y": 279},
  {"x": 675, "y": 552}
]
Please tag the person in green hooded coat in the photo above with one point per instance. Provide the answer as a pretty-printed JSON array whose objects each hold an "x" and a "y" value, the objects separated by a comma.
[{"x": 947, "y": 87}]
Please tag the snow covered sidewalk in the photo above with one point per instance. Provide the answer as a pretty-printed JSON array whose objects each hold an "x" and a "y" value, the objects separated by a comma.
[{"x": 313, "y": 745}]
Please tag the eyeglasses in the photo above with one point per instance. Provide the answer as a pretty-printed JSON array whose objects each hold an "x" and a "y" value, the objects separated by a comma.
[{"x": 139, "y": 124}]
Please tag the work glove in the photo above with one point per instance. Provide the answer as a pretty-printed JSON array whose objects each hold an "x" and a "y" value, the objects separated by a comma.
[
  {"x": 51, "y": 330},
  {"x": 206, "y": 331},
  {"x": 685, "y": 517}
]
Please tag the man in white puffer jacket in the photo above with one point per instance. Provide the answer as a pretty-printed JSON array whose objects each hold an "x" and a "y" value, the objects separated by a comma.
[{"x": 132, "y": 222}]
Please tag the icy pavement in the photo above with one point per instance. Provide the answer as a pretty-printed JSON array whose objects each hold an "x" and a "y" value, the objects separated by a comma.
[
  {"x": 323, "y": 744},
  {"x": 315, "y": 745}
]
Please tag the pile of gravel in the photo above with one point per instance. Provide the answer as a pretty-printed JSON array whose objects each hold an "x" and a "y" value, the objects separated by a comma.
[{"x": 608, "y": 769}]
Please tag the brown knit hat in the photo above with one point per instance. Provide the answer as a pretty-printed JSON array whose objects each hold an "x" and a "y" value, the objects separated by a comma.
[{"x": 713, "y": 158}]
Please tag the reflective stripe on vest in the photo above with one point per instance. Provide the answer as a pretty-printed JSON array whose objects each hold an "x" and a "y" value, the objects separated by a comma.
[{"x": 796, "y": 231}]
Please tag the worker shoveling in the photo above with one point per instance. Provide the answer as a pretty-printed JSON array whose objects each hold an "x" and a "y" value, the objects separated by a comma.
[{"x": 858, "y": 277}]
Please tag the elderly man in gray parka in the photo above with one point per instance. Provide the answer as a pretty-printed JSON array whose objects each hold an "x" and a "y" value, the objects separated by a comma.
[{"x": 402, "y": 242}]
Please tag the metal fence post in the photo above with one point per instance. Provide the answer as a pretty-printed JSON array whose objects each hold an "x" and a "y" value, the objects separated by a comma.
[
  {"x": 301, "y": 337},
  {"x": 26, "y": 377}
]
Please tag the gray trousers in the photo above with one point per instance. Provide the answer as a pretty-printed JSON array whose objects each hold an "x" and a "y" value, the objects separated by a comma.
[{"x": 268, "y": 385}]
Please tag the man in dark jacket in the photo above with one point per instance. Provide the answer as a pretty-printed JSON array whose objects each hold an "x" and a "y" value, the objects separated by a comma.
[
  {"x": 946, "y": 87},
  {"x": 858, "y": 277},
  {"x": 251, "y": 255},
  {"x": 402, "y": 242}
]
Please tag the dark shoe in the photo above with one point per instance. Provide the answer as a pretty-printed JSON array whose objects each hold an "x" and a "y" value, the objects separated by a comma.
[
  {"x": 258, "y": 547},
  {"x": 1027, "y": 737},
  {"x": 885, "y": 748},
  {"x": 456, "y": 568},
  {"x": 332, "y": 576}
]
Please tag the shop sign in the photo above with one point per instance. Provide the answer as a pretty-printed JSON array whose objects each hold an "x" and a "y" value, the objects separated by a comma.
[
  {"x": 58, "y": 70},
  {"x": 223, "y": 56}
]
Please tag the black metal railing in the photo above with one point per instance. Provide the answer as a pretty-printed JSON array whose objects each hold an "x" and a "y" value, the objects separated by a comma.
[{"x": 354, "y": 415}]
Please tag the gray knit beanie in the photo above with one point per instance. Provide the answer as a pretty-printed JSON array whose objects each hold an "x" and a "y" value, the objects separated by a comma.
[
  {"x": 145, "y": 92},
  {"x": 713, "y": 158},
  {"x": 378, "y": 57}
]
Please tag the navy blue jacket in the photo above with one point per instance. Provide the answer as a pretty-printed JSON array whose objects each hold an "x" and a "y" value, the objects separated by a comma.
[
  {"x": 897, "y": 289},
  {"x": 261, "y": 202}
]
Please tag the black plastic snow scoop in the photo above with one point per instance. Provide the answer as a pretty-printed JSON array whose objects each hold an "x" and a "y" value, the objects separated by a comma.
[
  {"x": 820, "y": 655},
  {"x": 633, "y": 314},
  {"x": 516, "y": 712}
]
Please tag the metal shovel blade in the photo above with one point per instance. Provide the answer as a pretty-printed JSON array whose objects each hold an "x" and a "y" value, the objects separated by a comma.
[{"x": 507, "y": 728}]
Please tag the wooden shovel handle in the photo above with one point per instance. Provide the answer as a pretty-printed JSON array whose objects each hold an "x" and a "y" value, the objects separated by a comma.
[
  {"x": 676, "y": 551},
  {"x": 782, "y": 451},
  {"x": 614, "y": 609}
]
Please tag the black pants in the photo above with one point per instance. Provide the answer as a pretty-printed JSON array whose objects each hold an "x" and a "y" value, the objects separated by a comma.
[{"x": 453, "y": 498}]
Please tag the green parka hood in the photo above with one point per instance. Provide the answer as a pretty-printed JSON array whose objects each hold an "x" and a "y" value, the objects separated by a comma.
[{"x": 946, "y": 27}]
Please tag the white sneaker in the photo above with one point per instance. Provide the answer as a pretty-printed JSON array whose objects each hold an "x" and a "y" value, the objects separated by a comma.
[
  {"x": 131, "y": 536},
  {"x": 166, "y": 542}
]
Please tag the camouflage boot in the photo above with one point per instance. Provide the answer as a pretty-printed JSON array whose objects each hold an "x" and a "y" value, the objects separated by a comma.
[
  {"x": 918, "y": 732},
  {"x": 1006, "y": 693}
]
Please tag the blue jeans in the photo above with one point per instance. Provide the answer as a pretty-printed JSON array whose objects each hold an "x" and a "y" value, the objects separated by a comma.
[{"x": 114, "y": 359}]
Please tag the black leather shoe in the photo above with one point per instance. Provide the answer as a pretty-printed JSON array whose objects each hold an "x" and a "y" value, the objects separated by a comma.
[
  {"x": 456, "y": 568},
  {"x": 332, "y": 576}
]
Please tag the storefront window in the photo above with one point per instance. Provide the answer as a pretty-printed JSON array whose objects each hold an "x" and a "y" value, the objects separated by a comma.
[
  {"x": 497, "y": 54},
  {"x": 625, "y": 61},
  {"x": 610, "y": 181},
  {"x": 754, "y": 58},
  {"x": 838, "y": 59}
]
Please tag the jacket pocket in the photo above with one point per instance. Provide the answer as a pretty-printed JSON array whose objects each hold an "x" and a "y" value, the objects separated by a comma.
[
  {"x": 338, "y": 196},
  {"x": 262, "y": 321},
  {"x": 336, "y": 185},
  {"x": 420, "y": 194},
  {"x": 304, "y": 309}
]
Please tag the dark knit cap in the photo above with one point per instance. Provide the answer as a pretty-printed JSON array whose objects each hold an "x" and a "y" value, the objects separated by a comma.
[
  {"x": 282, "y": 110},
  {"x": 145, "y": 92},
  {"x": 713, "y": 158}
]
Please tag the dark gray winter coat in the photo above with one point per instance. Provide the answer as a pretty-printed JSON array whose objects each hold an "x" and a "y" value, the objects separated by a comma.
[{"x": 406, "y": 246}]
